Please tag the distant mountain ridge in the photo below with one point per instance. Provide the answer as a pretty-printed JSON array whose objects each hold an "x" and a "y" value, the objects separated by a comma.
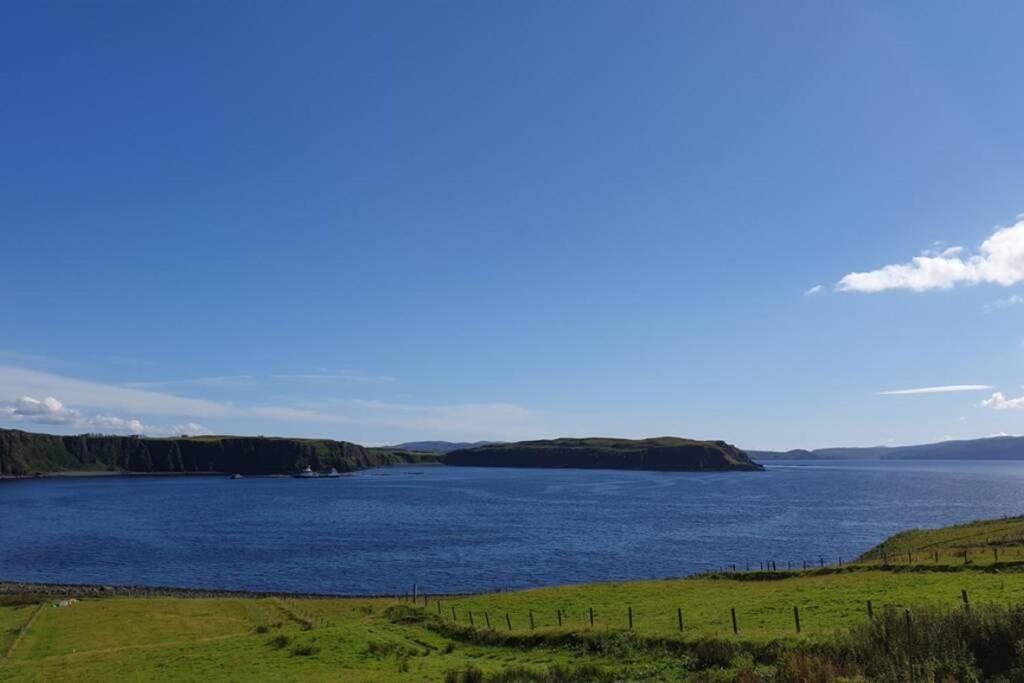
[
  {"x": 440, "y": 446},
  {"x": 661, "y": 453},
  {"x": 990, "y": 448}
]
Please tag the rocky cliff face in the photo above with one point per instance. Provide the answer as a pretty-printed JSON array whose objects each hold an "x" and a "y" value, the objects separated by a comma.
[
  {"x": 25, "y": 453},
  {"x": 664, "y": 453}
]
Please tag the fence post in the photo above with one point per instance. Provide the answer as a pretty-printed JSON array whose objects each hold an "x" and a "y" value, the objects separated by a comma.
[
  {"x": 559, "y": 616},
  {"x": 679, "y": 613},
  {"x": 439, "y": 607},
  {"x": 487, "y": 618},
  {"x": 967, "y": 602},
  {"x": 630, "y": 617},
  {"x": 531, "y": 618},
  {"x": 414, "y": 594},
  {"x": 591, "y": 616},
  {"x": 508, "y": 621},
  {"x": 735, "y": 628},
  {"x": 453, "y": 613},
  {"x": 471, "y": 624},
  {"x": 796, "y": 617},
  {"x": 871, "y": 612}
]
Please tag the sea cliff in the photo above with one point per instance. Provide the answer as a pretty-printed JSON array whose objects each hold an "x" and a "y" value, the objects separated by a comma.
[{"x": 26, "y": 453}]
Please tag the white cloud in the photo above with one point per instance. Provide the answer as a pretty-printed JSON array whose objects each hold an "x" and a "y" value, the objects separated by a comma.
[
  {"x": 936, "y": 390},
  {"x": 99, "y": 405},
  {"x": 1009, "y": 301},
  {"x": 50, "y": 411},
  {"x": 816, "y": 289},
  {"x": 1000, "y": 260},
  {"x": 21, "y": 382},
  {"x": 999, "y": 402}
]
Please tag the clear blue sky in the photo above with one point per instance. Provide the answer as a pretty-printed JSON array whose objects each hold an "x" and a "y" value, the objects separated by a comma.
[{"x": 383, "y": 221}]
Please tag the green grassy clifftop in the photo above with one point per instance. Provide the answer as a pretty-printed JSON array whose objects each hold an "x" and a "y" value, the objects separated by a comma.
[
  {"x": 661, "y": 453},
  {"x": 25, "y": 453}
]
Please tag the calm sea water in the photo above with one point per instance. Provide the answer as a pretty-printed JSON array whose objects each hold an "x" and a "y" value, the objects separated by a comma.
[{"x": 469, "y": 529}]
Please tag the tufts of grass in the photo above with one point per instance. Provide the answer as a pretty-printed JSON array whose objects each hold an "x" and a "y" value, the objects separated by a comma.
[
  {"x": 304, "y": 650},
  {"x": 279, "y": 642}
]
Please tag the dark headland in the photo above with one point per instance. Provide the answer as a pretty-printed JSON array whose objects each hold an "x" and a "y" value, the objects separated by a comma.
[
  {"x": 24, "y": 454},
  {"x": 661, "y": 453}
]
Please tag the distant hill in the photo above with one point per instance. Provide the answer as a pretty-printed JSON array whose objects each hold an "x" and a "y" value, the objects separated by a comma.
[
  {"x": 992, "y": 448},
  {"x": 440, "y": 446},
  {"x": 662, "y": 453},
  {"x": 26, "y": 453}
]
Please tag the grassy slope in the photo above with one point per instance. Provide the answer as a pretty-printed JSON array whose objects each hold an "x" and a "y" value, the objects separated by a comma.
[
  {"x": 981, "y": 541},
  {"x": 353, "y": 639}
]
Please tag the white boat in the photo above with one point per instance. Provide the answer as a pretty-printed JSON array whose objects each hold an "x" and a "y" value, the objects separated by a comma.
[
  {"x": 307, "y": 473},
  {"x": 333, "y": 473},
  {"x": 236, "y": 475}
]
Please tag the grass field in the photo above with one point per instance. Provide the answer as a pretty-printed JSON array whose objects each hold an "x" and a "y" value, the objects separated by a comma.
[{"x": 351, "y": 639}]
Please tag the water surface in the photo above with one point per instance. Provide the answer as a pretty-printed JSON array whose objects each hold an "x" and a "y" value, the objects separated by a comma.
[{"x": 472, "y": 529}]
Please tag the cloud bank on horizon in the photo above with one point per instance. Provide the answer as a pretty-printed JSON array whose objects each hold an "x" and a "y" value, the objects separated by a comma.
[
  {"x": 33, "y": 397},
  {"x": 999, "y": 260}
]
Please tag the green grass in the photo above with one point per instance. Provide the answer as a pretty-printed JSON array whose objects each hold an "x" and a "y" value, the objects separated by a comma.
[
  {"x": 980, "y": 543},
  {"x": 378, "y": 639}
]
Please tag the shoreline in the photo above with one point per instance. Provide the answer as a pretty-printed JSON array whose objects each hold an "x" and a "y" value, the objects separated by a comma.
[{"x": 94, "y": 590}]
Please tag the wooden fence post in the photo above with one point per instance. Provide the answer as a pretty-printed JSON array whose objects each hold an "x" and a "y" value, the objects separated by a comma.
[
  {"x": 453, "y": 613},
  {"x": 508, "y": 621},
  {"x": 471, "y": 624},
  {"x": 559, "y": 616},
  {"x": 531, "y": 618},
  {"x": 679, "y": 613},
  {"x": 438, "y": 606},
  {"x": 967, "y": 602},
  {"x": 735, "y": 628},
  {"x": 871, "y": 612},
  {"x": 591, "y": 616},
  {"x": 487, "y": 618},
  {"x": 630, "y": 617},
  {"x": 796, "y": 617}
]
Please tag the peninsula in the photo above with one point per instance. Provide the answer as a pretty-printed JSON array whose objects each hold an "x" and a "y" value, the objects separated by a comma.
[
  {"x": 660, "y": 453},
  {"x": 25, "y": 454}
]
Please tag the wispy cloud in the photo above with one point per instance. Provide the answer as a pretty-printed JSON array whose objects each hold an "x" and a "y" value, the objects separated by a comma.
[
  {"x": 343, "y": 376},
  {"x": 998, "y": 304},
  {"x": 16, "y": 382},
  {"x": 1000, "y": 260},
  {"x": 221, "y": 380},
  {"x": 253, "y": 380},
  {"x": 96, "y": 405},
  {"x": 816, "y": 289},
  {"x": 949, "y": 388}
]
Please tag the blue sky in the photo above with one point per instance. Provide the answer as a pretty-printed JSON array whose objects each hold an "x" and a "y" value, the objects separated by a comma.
[{"x": 385, "y": 221}]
